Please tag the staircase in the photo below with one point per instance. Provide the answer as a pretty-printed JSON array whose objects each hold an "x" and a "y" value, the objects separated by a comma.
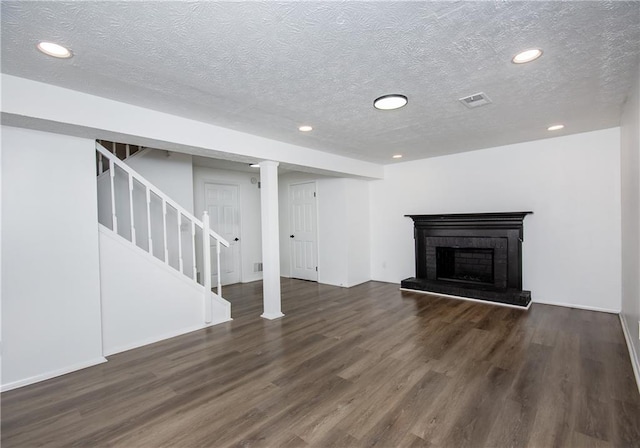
[{"x": 143, "y": 230}]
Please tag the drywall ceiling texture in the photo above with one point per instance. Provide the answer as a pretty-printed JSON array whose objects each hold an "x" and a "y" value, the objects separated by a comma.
[{"x": 267, "y": 67}]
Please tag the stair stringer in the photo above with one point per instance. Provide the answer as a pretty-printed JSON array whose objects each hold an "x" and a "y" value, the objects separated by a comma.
[{"x": 144, "y": 300}]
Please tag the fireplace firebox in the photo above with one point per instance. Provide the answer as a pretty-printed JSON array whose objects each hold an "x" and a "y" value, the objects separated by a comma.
[
  {"x": 464, "y": 265},
  {"x": 476, "y": 255}
]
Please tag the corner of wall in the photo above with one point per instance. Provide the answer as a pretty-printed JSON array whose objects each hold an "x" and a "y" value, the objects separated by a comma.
[{"x": 630, "y": 221}]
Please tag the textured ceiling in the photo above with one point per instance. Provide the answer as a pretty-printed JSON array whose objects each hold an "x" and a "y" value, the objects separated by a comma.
[{"x": 267, "y": 67}]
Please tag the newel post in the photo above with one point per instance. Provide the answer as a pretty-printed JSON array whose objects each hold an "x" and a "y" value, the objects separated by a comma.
[{"x": 206, "y": 274}]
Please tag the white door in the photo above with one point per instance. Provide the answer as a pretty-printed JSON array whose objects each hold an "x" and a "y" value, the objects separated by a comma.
[
  {"x": 221, "y": 202},
  {"x": 304, "y": 246}
]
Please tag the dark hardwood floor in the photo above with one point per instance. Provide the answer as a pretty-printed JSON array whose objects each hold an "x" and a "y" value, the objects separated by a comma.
[{"x": 365, "y": 366}]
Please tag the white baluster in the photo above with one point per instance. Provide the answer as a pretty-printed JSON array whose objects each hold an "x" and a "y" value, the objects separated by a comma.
[
  {"x": 114, "y": 218},
  {"x": 164, "y": 231},
  {"x": 133, "y": 228},
  {"x": 148, "y": 193},
  {"x": 206, "y": 271},
  {"x": 127, "y": 151},
  {"x": 193, "y": 241},
  {"x": 181, "y": 263},
  {"x": 219, "y": 276},
  {"x": 113, "y": 148},
  {"x": 100, "y": 164}
]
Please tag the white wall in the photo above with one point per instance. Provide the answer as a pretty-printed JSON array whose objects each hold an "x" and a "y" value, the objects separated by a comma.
[
  {"x": 343, "y": 229},
  {"x": 1, "y": 289},
  {"x": 333, "y": 233},
  {"x": 51, "y": 286},
  {"x": 359, "y": 231},
  {"x": 249, "y": 198},
  {"x": 630, "y": 171},
  {"x": 144, "y": 301},
  {"x": 571, "y": 250}
]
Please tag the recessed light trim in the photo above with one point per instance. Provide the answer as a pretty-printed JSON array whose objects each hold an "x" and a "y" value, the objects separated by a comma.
[
  {"x": 555, "y": 127},
  {"x": 55, "y": 50},
  {"x": 527, "y": 56},
  {"x": 390, "y": 102},
  {"x": 396, "y": 156},
  {"x": 305, "y": 128}
]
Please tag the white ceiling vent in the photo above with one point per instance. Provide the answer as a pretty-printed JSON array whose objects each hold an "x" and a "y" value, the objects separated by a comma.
[{"x": 475, "y": 100}]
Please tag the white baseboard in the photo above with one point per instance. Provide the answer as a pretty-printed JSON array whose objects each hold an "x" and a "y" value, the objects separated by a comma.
[
  {"x": 271, "y": 316},
  {"x": 52, "y": 374},
  {"x": 635, "y": 363},
  {"x": 357, "y": 282},
  {"x": 468, "y": 299},
  {"x": 249, "y": 279},
  {"x": 580, "y": 307},
  {"x": 154, "y": 339}
]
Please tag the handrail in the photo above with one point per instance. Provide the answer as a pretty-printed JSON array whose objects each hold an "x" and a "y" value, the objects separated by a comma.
[{"x": 141, "y": 179}]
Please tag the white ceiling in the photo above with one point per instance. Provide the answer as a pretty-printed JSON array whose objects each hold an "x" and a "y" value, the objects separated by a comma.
[{"x": 267, "y": 67}]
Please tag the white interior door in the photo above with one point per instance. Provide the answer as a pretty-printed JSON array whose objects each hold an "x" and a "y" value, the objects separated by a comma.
[
  {"x": 221, "y": 202},
  {"x": 304, "y": 245}
]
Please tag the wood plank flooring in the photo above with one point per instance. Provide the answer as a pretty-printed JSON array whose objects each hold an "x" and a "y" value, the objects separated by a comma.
[{"x": 365, "y": 366}]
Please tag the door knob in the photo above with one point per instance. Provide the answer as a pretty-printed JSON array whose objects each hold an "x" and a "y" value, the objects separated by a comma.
[
  {"x": 291, "y": 236},
  {"x": 236, "y": 239}
]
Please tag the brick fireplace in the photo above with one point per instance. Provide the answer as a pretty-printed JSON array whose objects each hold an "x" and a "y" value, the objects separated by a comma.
[{"x": 476, "y": 255}]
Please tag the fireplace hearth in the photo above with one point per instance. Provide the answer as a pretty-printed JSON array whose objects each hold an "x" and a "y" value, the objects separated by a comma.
[{"x": 475, "y": 255}]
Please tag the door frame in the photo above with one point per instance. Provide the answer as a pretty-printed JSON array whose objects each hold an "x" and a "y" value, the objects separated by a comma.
[
  {"x": 289, "y": 224},
  {"x": 204, "y": 207}
]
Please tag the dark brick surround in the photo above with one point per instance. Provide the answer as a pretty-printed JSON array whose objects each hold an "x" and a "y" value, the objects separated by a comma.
[{"x": 477, "y": 239}]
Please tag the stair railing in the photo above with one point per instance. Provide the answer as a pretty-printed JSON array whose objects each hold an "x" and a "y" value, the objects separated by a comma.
[
  {"x": 129, "y": 150},
  {"x": 111, "y": 162}
]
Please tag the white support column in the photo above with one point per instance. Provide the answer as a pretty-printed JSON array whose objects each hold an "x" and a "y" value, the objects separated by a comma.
[{"x": 270, "y": 240}]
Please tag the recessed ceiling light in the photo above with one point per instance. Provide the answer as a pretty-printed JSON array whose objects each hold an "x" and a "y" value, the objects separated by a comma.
[
  {"x": 390, "y": 102},
  {"x": 55, "y": 50},
  {"x": 305, "y": 128},
  {"x": 255, "y": 165},
  {"x": 555, "y": 127},
  {"x": 527, "y": 56},
  {"x": 397, "y": 156}
]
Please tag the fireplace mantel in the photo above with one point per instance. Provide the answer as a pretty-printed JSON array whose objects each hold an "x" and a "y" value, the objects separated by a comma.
[
  {"x": 443, "y": 237},
  {"x": 473, "y": 220}
]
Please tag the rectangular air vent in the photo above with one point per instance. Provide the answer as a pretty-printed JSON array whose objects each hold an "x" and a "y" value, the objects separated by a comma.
[
  {"x": 257, "y": 267},
  {"x": 475, "y": 100}
]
